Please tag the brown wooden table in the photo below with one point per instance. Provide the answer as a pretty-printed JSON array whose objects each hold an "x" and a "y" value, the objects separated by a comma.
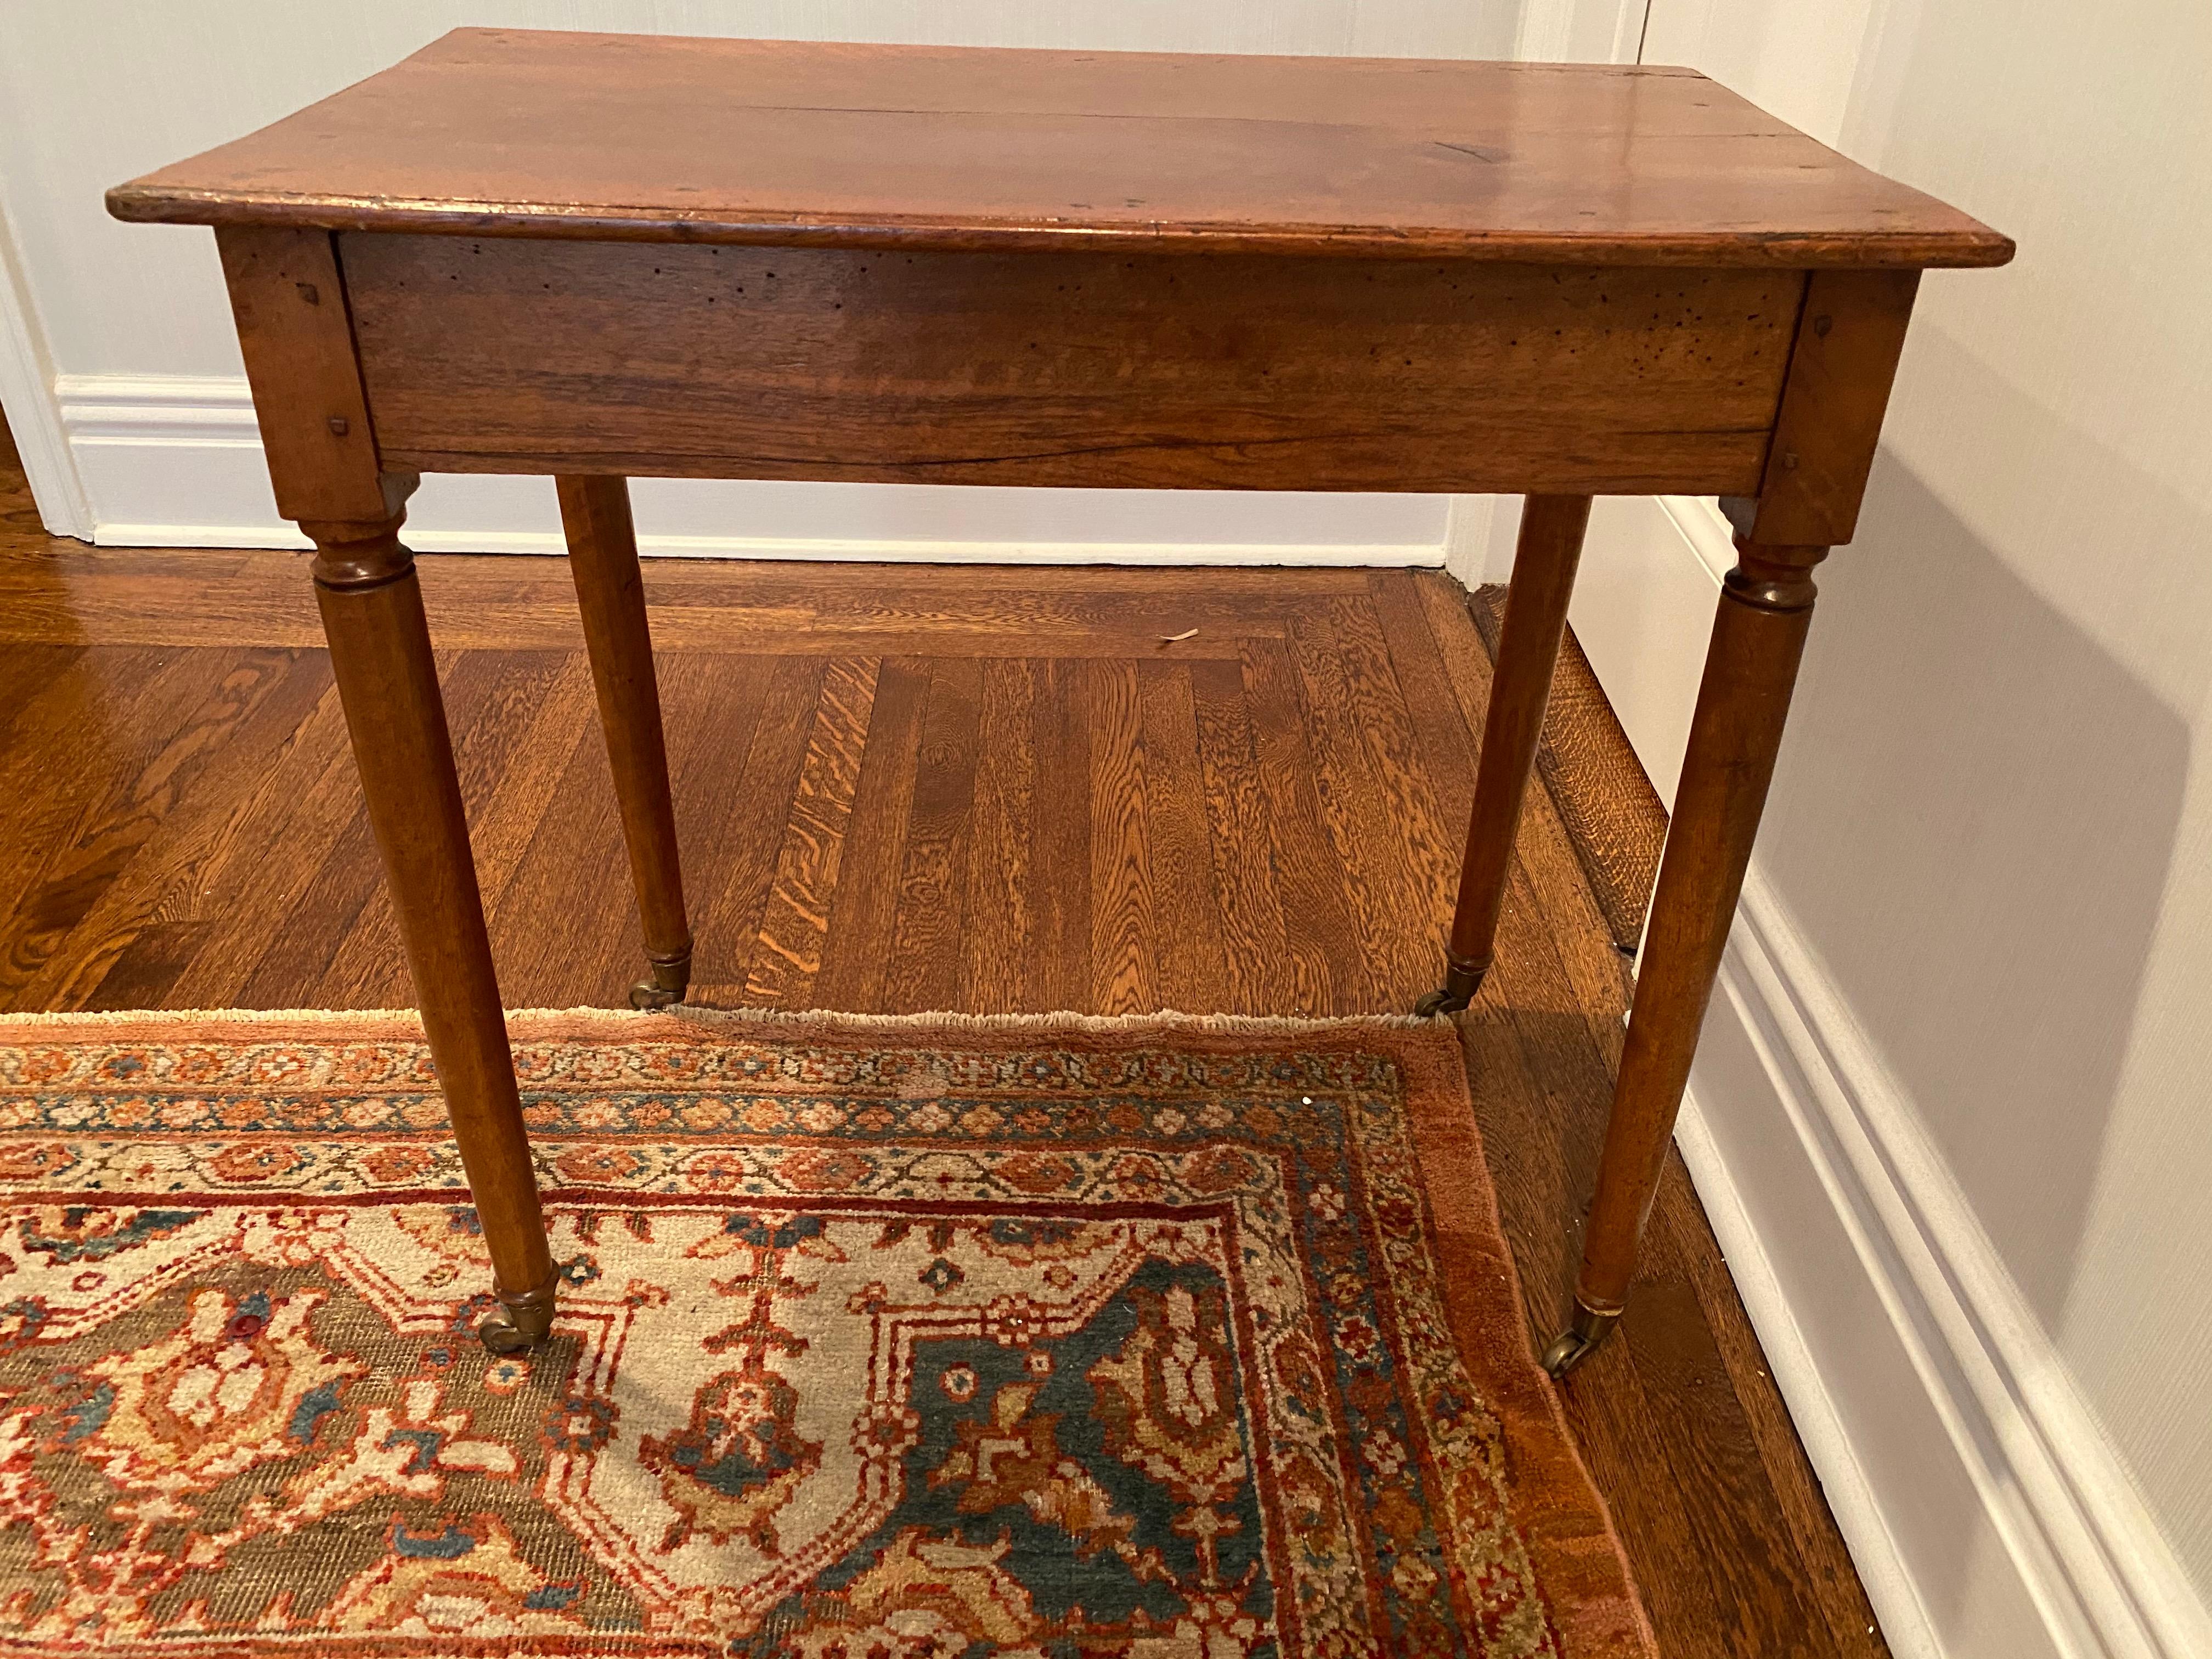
[{"x": 600, "y": 256}]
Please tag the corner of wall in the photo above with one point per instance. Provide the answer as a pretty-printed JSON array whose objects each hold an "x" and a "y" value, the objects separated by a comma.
[
  {"x": 1478, "y": 537},
  {"x": 27, "y": 395}
]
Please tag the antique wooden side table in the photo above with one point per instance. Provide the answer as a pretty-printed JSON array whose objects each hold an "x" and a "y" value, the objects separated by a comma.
[{"x": 596, "y": 256}]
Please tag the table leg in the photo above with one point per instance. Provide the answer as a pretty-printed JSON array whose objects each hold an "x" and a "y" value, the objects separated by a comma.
[
  {"x": 1544, "y": 560},
  {"x": 372, "y": 609},
  {"x": 1759, "y": 635},
  {"x": 602, "y": 557}
]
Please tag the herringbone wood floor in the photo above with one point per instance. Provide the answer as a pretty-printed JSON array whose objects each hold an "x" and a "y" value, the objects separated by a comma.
[{"x": 907, "y": 789}]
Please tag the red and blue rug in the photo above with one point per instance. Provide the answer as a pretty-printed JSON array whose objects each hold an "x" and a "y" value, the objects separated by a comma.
[{"x": 879, "y": 1338}]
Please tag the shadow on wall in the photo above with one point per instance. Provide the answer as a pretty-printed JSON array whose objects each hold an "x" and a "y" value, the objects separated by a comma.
[{"x": 1974, "y": 820}]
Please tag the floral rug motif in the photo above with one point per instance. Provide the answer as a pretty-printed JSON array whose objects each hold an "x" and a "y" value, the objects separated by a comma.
[{"x": 877, "y": 1340}]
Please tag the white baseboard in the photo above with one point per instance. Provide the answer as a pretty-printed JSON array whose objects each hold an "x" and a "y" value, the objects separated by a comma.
[
  {"x": 1989, "y": 1514},
  {"x": 172, "y": 461}
]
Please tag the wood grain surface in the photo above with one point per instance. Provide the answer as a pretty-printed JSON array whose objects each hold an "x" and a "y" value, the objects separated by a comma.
[
  {"x": 516, "y": 132},
  {"x": 908, "y": 788},
  {"x": 482, "y": 355}
]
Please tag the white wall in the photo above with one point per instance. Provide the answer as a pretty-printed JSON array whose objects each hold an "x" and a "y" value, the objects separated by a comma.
[
  {"x": 139, "y": 351},
  {"x": 1954, "y": 1112}
]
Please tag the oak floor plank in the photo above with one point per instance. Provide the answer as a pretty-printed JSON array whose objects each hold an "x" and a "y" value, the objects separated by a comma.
[
  {"x": 1261, "y": 970},
  {"x": 1368, "y": 842},
  {"x": 110, "y": 708},
  {"x": 1677, "y": 1586},
  {"x": 155, "y": 733},
  {"x": 1124, "y": 941},
  {"x": 1743, "y": 1547},
  {"x": 710, "y": 706},
  {"x": 1186, "y": 909},
  {"x": 178, "y": 839},
  {"x": 114, "y": 822},
  {"x": 1066, "y": 840},
  {"x": 318, "y": 911},
  {"x": 1322, "y": 929},
  {"x": 27, "y": 673},
  {"x": 1423, "y": 863},
  {"x": 926, "y": 939},
  {"x": 727, "y": 915},
  {"x": 787, "y": 956},
  {"x": 998, "y": 922},
  {"x": 288, "y": 829},
  {"x": 1431, "y": 701},
  {"x": 1821, "y": 1571},
  {"x": 864, "y": 917},
  {"x": 144, "y": 973},
  {"x": 121, "y": 597}
]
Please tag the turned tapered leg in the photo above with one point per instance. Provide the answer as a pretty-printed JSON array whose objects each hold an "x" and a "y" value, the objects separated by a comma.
[
  {"x": 372, "y": 610},
  {"x": 1765, "y": 610},
  {"x": 603, "y": 556},
  {"x": 1544, "y": 562}
]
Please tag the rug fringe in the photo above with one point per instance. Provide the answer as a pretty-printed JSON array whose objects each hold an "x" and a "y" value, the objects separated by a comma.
[{"x": 1165, "y": 1020}]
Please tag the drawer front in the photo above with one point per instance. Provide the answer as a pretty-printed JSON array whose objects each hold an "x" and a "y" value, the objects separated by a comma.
[{"x": 501, "y": 355}]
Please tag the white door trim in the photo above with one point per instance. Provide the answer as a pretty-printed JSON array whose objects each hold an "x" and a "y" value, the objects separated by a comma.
[
  {"x": 26, "y": 393},
  {"x": 1580, "y": 31}
]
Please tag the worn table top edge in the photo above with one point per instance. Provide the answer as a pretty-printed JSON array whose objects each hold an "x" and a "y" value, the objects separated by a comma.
[{"x": 143, "y": 202}]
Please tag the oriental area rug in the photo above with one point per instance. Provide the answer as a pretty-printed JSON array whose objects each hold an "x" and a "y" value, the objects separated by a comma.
[{"x": 878, "y": 1339}]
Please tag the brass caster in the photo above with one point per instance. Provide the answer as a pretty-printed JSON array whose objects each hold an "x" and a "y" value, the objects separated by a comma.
[
  {"x": 671, "y": 977},
  {"x": 1583, "y": 1333},
  {"x": 1461, "y": 981},
  {"x": 499, "y": 1334},
  {"x": 522, "y": 1321}
]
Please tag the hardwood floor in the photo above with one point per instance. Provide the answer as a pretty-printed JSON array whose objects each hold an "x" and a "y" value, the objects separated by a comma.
[{"x": 904, "y": 789}]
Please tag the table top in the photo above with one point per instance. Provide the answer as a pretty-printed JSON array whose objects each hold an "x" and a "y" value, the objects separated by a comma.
[{"x": 537, "y": 133}]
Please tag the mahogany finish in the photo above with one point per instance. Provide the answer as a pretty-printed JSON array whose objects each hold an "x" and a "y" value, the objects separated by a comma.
[{"x": 593, "y": 256}]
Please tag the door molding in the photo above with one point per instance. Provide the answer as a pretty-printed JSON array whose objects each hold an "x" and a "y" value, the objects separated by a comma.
[
  {"x": 26, "y": 393},
  {"x": 1580, "y": 31}
]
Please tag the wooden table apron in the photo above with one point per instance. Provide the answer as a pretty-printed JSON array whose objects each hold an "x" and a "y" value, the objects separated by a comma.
[{"x": 597, "y": 257}]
